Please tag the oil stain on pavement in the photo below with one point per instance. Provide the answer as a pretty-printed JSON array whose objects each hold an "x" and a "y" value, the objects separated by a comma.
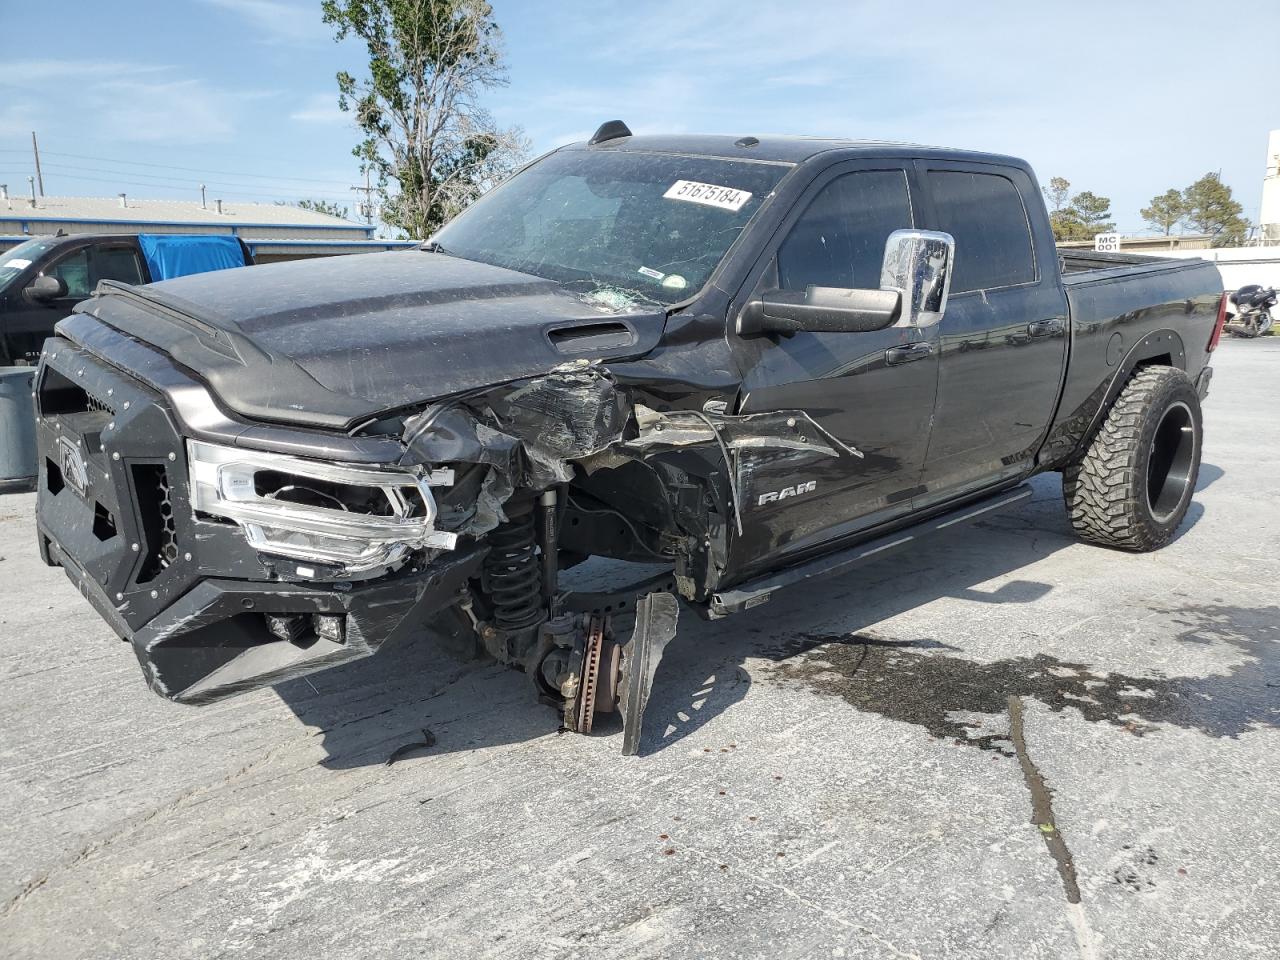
[{"x": 923, "y": 683}]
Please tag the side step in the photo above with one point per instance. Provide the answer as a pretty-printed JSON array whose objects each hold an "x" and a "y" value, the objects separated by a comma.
[{"x": 758, "y": 591}]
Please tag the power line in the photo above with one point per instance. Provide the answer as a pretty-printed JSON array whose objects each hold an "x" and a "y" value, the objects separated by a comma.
[
  {"x": 83, "y": 173},
  {"x": 170, "y": 166},
  {"x": 193, "y": 186}
]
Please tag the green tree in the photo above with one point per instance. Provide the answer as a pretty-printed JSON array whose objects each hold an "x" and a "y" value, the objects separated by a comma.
[
  {"x": 1211, "y": 209},
  {"x": 1166, "y": 211},
  {"x": 1082, "y": 217},
  {"x": 1058, "y": 191},
  {"x": 326, "y": 207},
  {"x": 428, "y": 143},
  {"x": 1092, "y": 212}
]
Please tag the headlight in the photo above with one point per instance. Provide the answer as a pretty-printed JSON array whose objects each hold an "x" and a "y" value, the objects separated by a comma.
[{"x": 360, "y": 518}]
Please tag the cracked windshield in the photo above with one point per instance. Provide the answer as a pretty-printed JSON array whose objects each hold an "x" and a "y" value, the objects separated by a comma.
[{"x": 621, "y": 227}]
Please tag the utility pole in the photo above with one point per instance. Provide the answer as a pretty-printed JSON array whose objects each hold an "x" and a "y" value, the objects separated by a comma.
[
  {"x": 367, "y": 190},
  {"x": 35, "y": 148}
]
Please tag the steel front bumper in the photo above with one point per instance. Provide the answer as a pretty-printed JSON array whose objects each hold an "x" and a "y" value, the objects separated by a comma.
[
  {"x": 191, "y": 595},
  {"x": 213, "y": 642}
]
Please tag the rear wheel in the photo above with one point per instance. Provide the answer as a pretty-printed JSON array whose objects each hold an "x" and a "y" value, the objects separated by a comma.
[{"x": 1132, "y": 487}]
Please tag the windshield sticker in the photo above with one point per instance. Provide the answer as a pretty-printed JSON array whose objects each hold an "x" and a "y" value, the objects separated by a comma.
[
  {"x": 675, "y": 282},
  {"x": 651, "y": 273},
  {"x": 18, "y": 263},
  {"x": 708, "y": 194}
]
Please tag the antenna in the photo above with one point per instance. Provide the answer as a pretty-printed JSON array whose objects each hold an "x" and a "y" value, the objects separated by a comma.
[{"x": 610, "y": 130}]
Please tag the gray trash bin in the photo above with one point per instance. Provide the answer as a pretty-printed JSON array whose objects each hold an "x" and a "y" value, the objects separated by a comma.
[{"x": 17, "y": 430}]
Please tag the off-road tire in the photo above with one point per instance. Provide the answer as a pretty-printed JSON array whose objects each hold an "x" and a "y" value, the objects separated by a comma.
[{"x": 1132, "y": 487}]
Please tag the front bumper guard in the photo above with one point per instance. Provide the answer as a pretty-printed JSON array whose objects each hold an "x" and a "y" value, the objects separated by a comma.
[{"x": 213, "y": 642}]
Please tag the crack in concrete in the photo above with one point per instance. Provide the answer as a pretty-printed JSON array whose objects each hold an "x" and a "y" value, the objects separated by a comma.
[{"x": 1042, "y": 804}]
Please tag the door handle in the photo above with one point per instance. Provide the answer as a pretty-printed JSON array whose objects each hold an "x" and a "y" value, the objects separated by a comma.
[
  {"x": 908, "y": 352},
  {"x": 1045, "y": 328}
]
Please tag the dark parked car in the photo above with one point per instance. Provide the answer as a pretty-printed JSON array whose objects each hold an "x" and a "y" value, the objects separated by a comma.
[
  {"x": 43, "y": 278},
  {"x": 744, "y": 358}
]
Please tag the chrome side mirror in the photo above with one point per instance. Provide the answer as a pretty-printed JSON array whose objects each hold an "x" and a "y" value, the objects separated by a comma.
[{"x": 917, "y": 263}]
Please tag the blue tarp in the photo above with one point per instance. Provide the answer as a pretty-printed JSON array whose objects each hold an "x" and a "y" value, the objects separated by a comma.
[{"x": 171, "y": 255}]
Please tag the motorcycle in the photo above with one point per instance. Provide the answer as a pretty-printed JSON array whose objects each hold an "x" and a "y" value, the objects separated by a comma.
[{"x": 1253, "y": 305}]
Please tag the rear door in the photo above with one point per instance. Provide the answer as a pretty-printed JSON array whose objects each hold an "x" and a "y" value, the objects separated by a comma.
[
  {"x": 871, "y": 391},
  {"x": 1003, "y": 336}
]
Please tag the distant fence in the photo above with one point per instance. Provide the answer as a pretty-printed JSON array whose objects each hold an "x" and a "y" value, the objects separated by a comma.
[{"x": 1239, "y": 266}]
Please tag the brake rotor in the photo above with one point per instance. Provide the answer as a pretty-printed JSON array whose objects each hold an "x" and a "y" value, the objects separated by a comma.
[{"x": 592, "y": 657}]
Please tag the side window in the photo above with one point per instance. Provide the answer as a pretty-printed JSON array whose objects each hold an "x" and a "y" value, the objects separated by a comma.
[
  {"x": 116, "y": 263},
  {"x": 984, "y": 212},
  {"x": 839, "y": 239},
  {"x": 73, "y": 269}
]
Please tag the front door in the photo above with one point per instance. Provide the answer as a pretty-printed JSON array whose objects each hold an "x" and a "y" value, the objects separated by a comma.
[
  {"x": 29, "y": 322},
  {"x": 872, "y": 392}
]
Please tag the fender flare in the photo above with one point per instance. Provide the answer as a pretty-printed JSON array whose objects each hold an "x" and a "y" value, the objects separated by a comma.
[
  {"x": 1154, "y": 346},
  {"x": 1159, "y": 345}
]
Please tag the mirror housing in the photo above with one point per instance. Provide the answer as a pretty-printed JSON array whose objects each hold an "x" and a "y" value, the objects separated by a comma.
[
  {"x": 917, "y": 264},
  {"x": 820, "y": 310},
  {"x": 45, "y": 288},
  {"x": 915, "y": 281}
]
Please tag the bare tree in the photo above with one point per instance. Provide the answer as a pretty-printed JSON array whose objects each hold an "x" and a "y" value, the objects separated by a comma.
[{"x": 428, "y": 142}]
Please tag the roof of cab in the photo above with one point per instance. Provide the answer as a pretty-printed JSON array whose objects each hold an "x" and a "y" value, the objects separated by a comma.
[{"x": 786, "y": 149}]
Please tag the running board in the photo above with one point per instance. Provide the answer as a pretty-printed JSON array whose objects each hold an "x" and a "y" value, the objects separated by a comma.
[{"x": 761, "y": 590}]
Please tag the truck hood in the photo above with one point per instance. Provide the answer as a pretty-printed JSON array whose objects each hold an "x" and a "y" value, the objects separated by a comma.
[{"x": 330, "y": 342}]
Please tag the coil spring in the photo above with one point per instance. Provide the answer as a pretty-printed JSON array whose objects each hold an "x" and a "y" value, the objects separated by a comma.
[{"x": 512, "y": 578}]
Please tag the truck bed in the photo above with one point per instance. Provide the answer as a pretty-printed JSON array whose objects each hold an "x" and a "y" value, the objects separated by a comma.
[
  {"x": 1078, "y": 265},
  {"x": 1118, "y": 303}
]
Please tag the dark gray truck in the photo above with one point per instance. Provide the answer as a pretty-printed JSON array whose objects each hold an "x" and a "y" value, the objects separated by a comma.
[
  {"x": 44, "y": 277},
  {"x": 754, "y": 361}
]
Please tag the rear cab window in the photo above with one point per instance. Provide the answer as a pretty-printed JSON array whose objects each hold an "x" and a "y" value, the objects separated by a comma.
[
  {"x": 985, "y": 214},
  {"x": 116, "y": 262}
]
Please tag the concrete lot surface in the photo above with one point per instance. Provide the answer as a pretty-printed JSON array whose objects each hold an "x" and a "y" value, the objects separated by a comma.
[{"x": 851, "y": 771}]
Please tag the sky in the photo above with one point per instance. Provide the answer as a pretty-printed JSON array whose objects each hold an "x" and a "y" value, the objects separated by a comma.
[{"x": 1124, "y": 98}]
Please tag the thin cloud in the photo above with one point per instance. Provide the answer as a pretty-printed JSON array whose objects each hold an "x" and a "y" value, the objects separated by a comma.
[
  {"x": 127, "y": 102},
  {"x": 182, "y": 111},
  {"x": 278, "y": 21},
  {"x": 34, "y": 74},
  {"x": 321, "y": 108}
]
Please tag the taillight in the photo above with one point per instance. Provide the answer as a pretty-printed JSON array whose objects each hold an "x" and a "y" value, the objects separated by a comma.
[{"x": 1217, "y": 326}]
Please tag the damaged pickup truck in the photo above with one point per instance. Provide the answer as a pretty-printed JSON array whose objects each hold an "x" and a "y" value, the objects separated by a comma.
[{"x": 754, "y": 361}]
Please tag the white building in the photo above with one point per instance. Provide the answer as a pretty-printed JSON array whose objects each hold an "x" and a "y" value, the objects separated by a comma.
[
  {"x": 271, "y": 231},
  {"x": 1269, "y": 213}
]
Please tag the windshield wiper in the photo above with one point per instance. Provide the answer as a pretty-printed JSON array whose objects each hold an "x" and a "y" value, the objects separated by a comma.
[{"x": 431, "y": 246}]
